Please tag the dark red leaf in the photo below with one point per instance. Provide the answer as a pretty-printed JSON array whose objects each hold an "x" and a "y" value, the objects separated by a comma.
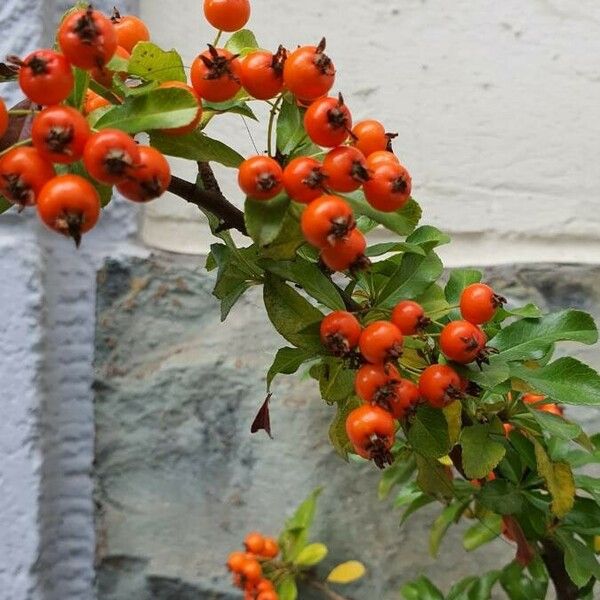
[{"x": 263, "y": 418}]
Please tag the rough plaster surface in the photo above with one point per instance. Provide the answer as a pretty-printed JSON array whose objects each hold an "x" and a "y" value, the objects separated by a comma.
[
  {"x": 46, "y": 434},
  {"x": 495, "y": 104},
  {"x": 179, "y": 479}
]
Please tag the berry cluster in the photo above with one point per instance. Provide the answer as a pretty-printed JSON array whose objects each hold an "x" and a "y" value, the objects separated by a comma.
[
  {"x": 61, "y": 170},
  {"x": 247, "y": 570},
  {"x": 354, "y": 157},
  {"x": 391, "y": 390}
]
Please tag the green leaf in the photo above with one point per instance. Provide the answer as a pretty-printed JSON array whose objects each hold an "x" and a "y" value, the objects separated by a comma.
[
  {"x": 523, "y": 339},
  {"x": 474, "y": 588},
  {"x": 529, "y": 311},
  {"x": 150, "y": 62},
  {"x": 158, "y": 109},
  {"x": 459, "y": 279},
  {"x": 559, "y": 481},
  {"x": 555, "y": 425},
  {"x": 519, "y": 586},
  {"x": 347, "y": 572},
  {"x": 238, "y": 105},
  {"x": 481, "y": 452},
  {"x": 311, "y": 555},
  {"x": 501, "y": 497},
  {"x": 285, "y": 245},
  {"x": 197, "y": 147},
  {"x": 402, "y": 222},
  {"x": 584, "y": 517},
  {"x": 337, "y": 429},
  {"x": 290, "y": 128},
  {"x": 428, "y": 237},
  {"x": 336, "y": 380},
  {"x": 566, "y": 380},
  {"x": 290, "y": 313},
  {"x": 310, "y": 278},
  {"x": 264, "y": 218},
  {"x": 428, "y": 433},
  {"x": 415, "y": 505},
  {"x": 393, "y": 247},
  {"x": 451, "y": 514},
  {"x": 580, "y": 561},
  {"x": 241, "y": 40},
  {"x": 399, "y": 473},
  {"x": 421, "y": 589},
  {"x": 486, "y": 530},
  {"x": 287, "y": 361},
  {"x": 77, "y": 97},
  {"x": 4, "y": 204},
  {"x": 230, "y": 299},
  {"x": 293, "y": 538},
  {"x": 489, "y": 376},
  {"x": 453, "y": 414},
  {"x": 433, "y": 478},
  {"x": 287, "y": 589},
  {"x": 412, "y": 278}
]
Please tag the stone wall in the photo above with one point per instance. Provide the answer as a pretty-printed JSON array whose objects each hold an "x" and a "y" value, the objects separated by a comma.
[{"x": 179, "y": 478}]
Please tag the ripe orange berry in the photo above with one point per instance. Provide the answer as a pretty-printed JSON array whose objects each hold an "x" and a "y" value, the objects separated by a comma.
[
  {"x": 150, "y": 178},
  {"x": 380, "y": 342},
  {"x": 103, "y": 75},
  {"x": 381, "y": 157},
  {"x": 369, "y": 137},
  {"x": 340, "y": 332},
  {"x": 346, "y": 253},
  {"x": 260, "y": 177},
  {"x": 236, "y": 561},
  {"x": 215, "y": 74},
  {"x": 271, "y": 549},
  {"x": 130, "y": 30},
  {"x": 252, "y": 571},
  {"x": 93, "y": 102},
  {"x": 409, "y": 317},
  {"x": 439, "y": 385},
  {"x": 327, "y": 220},
  {"x": 254, "y": 542},
  {"x": 478, "y": 303},
  {"x": 227, "y": 15}
]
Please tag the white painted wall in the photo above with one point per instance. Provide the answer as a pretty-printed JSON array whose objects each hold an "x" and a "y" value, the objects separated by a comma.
[{"x": 496, "y": 104}]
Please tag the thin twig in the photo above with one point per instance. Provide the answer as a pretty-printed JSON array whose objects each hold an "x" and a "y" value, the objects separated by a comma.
[
  {"x": 230, "y": 216},
  {"x": 326, "y": 590}
]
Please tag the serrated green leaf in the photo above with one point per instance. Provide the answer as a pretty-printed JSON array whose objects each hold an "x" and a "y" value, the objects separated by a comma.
[
  {"x": 264, "y": 218},
  {"x": 311, "y": 555},
  {"x": 421, "y": 589},
  {"x": 486, "y": 530},
  {"x": 566, "y": 380},
  {"x": 481, "y": 450},
  {"x": 433, "y": 478},
  {"x": 197, "y": 147},
  {"x": 336, "y": 381},
  {"x": 337, "y": 430},
  {"x": 241, "y": 40},
  {"x": 152, "y": 63},
  {"x": 428, "y": 433},
  {"x": 580, "y": 560},
  {"x": 501, "y": 497},
  {"x": 162, "y": 108},
  {"x": 411, "y": 279},
  {"x": 287, "y": 361},
  {"x": 451, "y": 514},
  {"x": 555, "y": 425},
  {"x": 525, "y": 338},
  {"x": 310, "y": 278},
  {"x": 559, "y": 481},
  {"x": 402, "y": 222},
  {"x": 290, "y": 313}
]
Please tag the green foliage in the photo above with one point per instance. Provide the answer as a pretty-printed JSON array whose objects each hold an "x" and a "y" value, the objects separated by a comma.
[
  {"x": 157, "y": 109},
  {"x": 241, "y": 42},
  {"x": 287, "y": 361},
  {"x": 428, "y": 433},
  {"x": 151, "y": 63},
  {"x": 295, "y": 534},
  {"x": 264, "y": 219},
  {"x": 481, "y": 450}
]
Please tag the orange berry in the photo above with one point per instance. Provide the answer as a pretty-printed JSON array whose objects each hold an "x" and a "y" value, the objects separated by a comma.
[
  {"x": 255, "y": 543},
  {"x": 271, "y": 548}
]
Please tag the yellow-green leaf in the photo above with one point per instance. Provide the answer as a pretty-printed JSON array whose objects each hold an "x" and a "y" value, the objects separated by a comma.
[
  {"x": 347, "y": 572},
  {"x": 453, "y": 414},
  {"x": 559, "y": 480},
  {"x": 311, "y": 555}
]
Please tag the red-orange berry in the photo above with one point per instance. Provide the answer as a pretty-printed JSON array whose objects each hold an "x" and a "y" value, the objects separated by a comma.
[
  {"x": 346, "y": 253},
  {"x": 270, "y": 549},
  {"x": 261, "y": 73},
  {"x": 328, "y": 121},
  {"x": 309, "y": 73},
  {"x": 150, "y": 178},
  {"x": 409, "y": 317},
  {"x": 254, "y": 543},
  {"x": 346, "y": 169},
  {"x": 215, "y": 74},
  {"x": 376, "y": 383},
  {"x": 304, "y": 179},
  {"x": 479, "y": 302},
  {"x": 439, "y": 385},
  {"x": 4, "y": 118},
  {"x": 388, "y": 188},
  {"x": 227, "y": 15},
  {"x": 340, "y": 332},
  {"x": 462, "y": 341},
  {"x": 369, "y": 137},
  {"x": 326, "y": 221},
  {"x": 371, "y": 431},
  {"x": 380, "y": 342},
  {"x": 130, "y": 30},
  {"x": 405, "y": 397},
  {"x": 260, "y": 177},
  {"x": 23, "y": 174},
  {"x": 46, "y": 77},
  {"x": 111, "y": 156}
]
